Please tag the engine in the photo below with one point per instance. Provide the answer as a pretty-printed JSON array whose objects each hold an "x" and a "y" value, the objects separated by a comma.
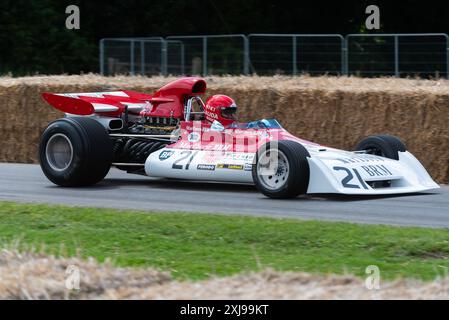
[
  {"x": 155, "y": 125},
  {"x": 131, "y": 149},
  {"x": 134, "y": 150}
]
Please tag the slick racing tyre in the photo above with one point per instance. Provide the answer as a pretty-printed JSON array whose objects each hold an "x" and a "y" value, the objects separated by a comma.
[
  {"x": 382, "y": 145},
  {"x": 75, "y": 151},
  {"x": 281, "y": 169}
]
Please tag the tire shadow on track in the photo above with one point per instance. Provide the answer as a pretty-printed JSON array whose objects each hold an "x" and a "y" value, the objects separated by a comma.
[
  {"x": 187, "y": 185},
  {"x": 176, "y": 184},
  {"x": 347, "y": 198}
]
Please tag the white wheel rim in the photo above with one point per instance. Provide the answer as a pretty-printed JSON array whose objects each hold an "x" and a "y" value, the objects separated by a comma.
[
  {"x": 59, "y": 152},
  {"x": 273, "y": 169}
]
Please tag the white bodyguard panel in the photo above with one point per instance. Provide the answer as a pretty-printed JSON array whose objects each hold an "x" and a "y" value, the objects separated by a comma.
[
  {"x": 200, "y": 165},
  {"x": 331, "y": 170},
  {"x": 337, "y": 171}
]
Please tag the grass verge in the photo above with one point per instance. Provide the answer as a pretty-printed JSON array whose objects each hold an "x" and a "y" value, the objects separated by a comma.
[{"x": 196, "y": 246}]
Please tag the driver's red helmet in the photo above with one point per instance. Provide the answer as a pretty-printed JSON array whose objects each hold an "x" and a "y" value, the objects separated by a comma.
[{"x": 221, "y": 108}]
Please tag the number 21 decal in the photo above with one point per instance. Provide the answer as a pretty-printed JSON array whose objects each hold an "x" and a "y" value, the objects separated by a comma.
[
  {"x": 349, "y": 176},
  {"x": 186, "y": 154}
]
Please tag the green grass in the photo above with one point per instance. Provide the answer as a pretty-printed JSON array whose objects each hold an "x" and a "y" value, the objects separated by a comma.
[{"x": 196, "y": 246}]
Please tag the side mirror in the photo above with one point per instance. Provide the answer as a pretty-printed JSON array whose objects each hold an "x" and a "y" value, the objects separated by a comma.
[{"x": 217, "y": 126}]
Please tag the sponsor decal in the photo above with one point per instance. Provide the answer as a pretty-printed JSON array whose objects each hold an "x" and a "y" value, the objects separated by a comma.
[
  {"x": 230, "y": 166},
  {"x": 165, "y": 154},
  {"x": 193, "y": 137},
  {"x": 251, "y": 132},
  {"x": 360, "y": 159},
  {"x": 228, "y": 156},
  {"x": 196, "y": 128},
  {"x": 239, "y": 156},
  {"x": 207, "y": 147},
  {"x": 248, "y": 167},
  {"x": 218, "y": 147},
  {"x": 207, "y": 167},
  {"x": 377, "y": 170},
  {"x": 211, "y": 115}
]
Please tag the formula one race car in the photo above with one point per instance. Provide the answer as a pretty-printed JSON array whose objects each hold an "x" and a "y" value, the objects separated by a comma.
[{"x": 173, "y": 134}]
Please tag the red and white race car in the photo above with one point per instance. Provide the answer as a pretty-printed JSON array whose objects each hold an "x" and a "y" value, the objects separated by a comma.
[{"x": 173, "y": 134}]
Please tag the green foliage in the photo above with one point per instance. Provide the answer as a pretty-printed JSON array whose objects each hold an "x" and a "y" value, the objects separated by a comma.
[
  {"x": 199, "y": 245},
  {"x": 33, "y": 37}
]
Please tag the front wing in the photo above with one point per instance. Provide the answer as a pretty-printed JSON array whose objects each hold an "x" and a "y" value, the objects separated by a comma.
[{"x": 351, "y": 173}]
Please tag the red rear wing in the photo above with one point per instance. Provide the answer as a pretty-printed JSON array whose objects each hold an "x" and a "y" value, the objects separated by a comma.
[{"x": 166, "y": 102}]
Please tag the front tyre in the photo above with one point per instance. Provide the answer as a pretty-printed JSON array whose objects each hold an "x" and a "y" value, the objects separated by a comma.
[
  {"x": 281, "y": 169},
  {"x": 382, "y": 145},
  {"x": 75, "y": 151}
]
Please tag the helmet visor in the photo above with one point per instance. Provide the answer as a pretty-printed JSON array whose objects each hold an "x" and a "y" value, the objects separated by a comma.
[{"x": 229, "y": 113}]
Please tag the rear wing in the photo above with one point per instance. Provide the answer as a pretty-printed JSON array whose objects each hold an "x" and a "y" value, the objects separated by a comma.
[
  {"x": 112, "y": 103},
  {"x": 168, "y": 101}
]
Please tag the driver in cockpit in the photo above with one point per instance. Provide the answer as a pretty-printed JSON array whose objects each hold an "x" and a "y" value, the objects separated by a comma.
[{"x": 222, "y": 109}]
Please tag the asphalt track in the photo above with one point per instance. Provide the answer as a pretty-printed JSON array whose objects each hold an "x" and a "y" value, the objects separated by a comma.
[{"x": 26, "y": 183}]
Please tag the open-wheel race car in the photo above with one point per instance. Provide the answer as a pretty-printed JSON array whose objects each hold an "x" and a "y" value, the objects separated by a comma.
[{"x": 174, "y": 134}]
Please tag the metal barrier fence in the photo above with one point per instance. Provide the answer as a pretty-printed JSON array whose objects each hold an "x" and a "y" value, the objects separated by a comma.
[
  {"x": 144, "y": 56},
  {"x": 368, "y": 55},
  {"x": 215, "y": 54},
  {"x": 412, "y": 54},
  {"x": 296, "y": 53}
]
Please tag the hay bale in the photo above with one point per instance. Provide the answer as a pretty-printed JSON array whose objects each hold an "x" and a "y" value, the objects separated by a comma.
[
  {"x": 335, "y": 111},
  {"x": 31, "y": 275}
]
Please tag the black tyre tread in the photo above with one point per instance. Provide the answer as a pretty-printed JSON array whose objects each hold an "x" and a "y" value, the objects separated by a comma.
[
  {"x": 298, "y": 180},
  {"x": 390, "y": 145},
  {"x": 99, "y": 150},
  {"x": 398, "y": 143},
  {"x": 94, "y": 151}
]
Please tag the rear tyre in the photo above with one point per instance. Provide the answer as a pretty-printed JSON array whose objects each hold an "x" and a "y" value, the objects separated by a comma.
[
  {"x": 75, "y": 151},
  {"x": 281, "y": 169},
  {"x": 382, "y": 145}
]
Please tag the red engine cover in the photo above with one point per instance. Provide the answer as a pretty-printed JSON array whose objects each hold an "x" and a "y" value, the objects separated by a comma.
[{"x": 169, "y": 100}]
